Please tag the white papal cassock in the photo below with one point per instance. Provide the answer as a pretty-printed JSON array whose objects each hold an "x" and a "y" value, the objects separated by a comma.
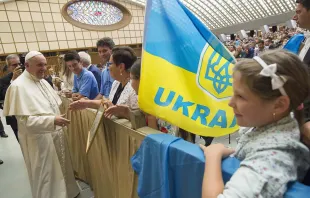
[{"x": 35, "y": 105}]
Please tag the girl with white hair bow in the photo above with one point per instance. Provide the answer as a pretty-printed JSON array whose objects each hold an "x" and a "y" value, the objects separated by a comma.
[{"x": 267, "y": 91}]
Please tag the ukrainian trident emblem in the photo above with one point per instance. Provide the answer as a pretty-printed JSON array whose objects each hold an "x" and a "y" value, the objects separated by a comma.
[{"x": 214, "y": 75}]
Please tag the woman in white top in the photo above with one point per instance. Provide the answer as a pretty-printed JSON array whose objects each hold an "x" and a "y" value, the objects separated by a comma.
[{"x": 121, "y": 92}]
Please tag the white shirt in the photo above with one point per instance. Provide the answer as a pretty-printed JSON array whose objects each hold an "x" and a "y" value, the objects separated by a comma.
[
  {"x": 305, "y": 49},
  {"x": 128, "y": 96}
]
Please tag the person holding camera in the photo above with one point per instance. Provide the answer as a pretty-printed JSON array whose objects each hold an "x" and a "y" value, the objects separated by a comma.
[{"x": 15, "y": 69}]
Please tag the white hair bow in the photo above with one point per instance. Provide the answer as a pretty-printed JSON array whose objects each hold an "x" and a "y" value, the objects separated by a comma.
[{"x": 277, "y": 82}]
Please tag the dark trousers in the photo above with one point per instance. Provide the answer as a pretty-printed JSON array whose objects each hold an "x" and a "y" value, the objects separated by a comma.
[
  {"x": 1, "y": 127},
  {"x": 307, "y": 179},
  {"x": 11, "y": 120},
  {"x": 208, "y": 140},
  {"x": 186, "y": 135}
]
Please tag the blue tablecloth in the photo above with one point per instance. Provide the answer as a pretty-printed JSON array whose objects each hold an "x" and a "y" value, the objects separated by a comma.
[{"x": 169, "y": 167}]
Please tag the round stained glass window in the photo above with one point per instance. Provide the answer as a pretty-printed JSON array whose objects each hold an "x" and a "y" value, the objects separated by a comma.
[{"x": 99, "y": 15}]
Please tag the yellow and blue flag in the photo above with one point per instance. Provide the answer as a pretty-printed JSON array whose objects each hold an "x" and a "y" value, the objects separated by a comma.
[{"x": 186, "y": 76}]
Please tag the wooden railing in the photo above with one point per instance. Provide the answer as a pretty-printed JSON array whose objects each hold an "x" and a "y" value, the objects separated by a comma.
[{"x": 106, "y": 167}]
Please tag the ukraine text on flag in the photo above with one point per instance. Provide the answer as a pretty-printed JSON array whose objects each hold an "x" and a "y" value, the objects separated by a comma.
[{"x": 186, "y": 76}]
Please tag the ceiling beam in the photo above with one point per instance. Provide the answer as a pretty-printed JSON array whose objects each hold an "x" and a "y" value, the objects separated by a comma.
[{"x": 255, "y": 24}]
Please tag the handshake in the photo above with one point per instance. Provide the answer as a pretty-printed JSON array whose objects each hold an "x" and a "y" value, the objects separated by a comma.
[{"x": 74, "y": 96}]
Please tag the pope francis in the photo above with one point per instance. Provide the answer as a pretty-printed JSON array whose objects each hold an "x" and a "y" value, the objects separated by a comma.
[{"x": 36, "y": 106}]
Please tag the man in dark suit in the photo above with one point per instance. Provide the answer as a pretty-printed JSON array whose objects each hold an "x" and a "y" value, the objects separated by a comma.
[
  {"x": 14, "y": 69},
  {"x": 302, "y": 18},
  {"x": 86, "y": 62}
]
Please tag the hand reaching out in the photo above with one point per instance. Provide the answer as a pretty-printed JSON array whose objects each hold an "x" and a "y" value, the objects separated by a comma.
[
  {"x": 61, "y": 121},
  {"x": 216, "y": 150},
  {"x": 118, "y": 111},
  {"x": 78, "y": 105},
  {"x": 107, "y": 103}
]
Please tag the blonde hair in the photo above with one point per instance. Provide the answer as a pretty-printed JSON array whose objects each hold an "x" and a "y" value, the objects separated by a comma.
[
  {"x": 290, "y": 67},
  {"x": 65, "y": 71}
]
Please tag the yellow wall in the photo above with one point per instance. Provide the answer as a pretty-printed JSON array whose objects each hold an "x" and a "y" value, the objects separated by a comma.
[{"x": 39, "y": 25}]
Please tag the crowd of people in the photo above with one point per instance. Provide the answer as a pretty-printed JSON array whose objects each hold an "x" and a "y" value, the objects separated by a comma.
[
  {"x": 254, "y": 46},
  {"x": 33, "y": 105},
  {"x": 274, "y": 142}
]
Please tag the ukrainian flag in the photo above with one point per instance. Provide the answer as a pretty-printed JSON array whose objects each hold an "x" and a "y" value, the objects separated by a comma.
[
  {"x": 293, "y": 45},
  {"x": 186, "y": 76}
]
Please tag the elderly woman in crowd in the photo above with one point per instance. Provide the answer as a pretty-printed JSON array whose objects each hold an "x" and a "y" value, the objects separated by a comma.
[{"x": 121, "y": 92}]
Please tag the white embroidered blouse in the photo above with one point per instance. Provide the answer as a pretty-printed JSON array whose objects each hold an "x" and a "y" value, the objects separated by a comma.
[{"x": 128, "y": 96}]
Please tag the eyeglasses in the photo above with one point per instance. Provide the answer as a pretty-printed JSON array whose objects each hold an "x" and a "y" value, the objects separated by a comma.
[
  {"x": 108, "y": 64},
  {"x": 17, "y": 64}
]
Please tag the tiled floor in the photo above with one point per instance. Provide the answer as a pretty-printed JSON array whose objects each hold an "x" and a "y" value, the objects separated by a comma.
[{"x": 13, "y": 173}]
